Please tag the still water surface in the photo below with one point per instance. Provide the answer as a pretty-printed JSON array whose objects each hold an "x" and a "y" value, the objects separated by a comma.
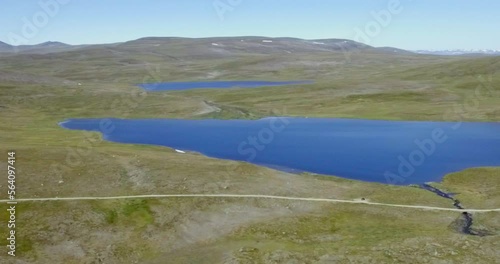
[{"x": 395, "y": 152}]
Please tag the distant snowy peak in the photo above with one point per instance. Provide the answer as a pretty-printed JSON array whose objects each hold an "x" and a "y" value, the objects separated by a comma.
[{"x": 460, "y": 52}]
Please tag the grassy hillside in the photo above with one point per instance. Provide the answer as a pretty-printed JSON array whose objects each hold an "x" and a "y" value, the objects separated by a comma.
[{"x": 38, "y": 91}]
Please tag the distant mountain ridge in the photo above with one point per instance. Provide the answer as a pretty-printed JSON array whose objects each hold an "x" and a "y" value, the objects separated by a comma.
[
  {"x": 4, "y": 47},
  {"x": 51, "y": 44},
  {"x": 219, "y": 46},
  {"x": 3, "y": 44},
  {"x": 45, "y": 47},
  {"x": 459, "y": 52},
  {"x": 225, "y": 46}
]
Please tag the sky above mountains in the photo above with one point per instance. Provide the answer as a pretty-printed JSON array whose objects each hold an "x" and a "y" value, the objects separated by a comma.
[{"x": 407, "y": 24}]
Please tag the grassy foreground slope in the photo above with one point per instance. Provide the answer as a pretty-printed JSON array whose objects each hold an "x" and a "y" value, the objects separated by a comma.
[{"x": 38, "y": 91}]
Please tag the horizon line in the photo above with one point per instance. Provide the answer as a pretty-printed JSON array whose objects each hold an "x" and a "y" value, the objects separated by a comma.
[{"x": 249, "y": 36}]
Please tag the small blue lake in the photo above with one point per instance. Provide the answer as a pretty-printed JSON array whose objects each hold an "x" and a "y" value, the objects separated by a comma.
[
  {"x": 177, "y": 86},
  {"x": 395, "y": 152}
]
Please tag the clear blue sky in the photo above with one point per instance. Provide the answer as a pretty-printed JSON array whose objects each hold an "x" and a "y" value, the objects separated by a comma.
[{"x": 421, "y": 24}]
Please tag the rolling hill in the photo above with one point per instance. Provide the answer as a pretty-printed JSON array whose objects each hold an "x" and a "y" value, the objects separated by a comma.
[{"x": 217, "y": 46}]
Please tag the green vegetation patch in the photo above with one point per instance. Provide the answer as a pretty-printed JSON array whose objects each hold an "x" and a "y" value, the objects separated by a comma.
[{"x": 475, "y": 187}]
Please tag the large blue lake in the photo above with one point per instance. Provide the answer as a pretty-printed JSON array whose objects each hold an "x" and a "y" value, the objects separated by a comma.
[
  {"x": 172, "y": 86},
  {"x": 392, "y": 152}
]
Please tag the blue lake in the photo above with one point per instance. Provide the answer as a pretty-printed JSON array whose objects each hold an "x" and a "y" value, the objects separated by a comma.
[
  {"x": 172, "y": 86},
  {"x": 393, "y": 152}
]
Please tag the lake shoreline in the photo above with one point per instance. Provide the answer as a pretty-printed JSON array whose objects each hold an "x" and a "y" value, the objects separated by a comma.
[{"x": 262, "y": 141}]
